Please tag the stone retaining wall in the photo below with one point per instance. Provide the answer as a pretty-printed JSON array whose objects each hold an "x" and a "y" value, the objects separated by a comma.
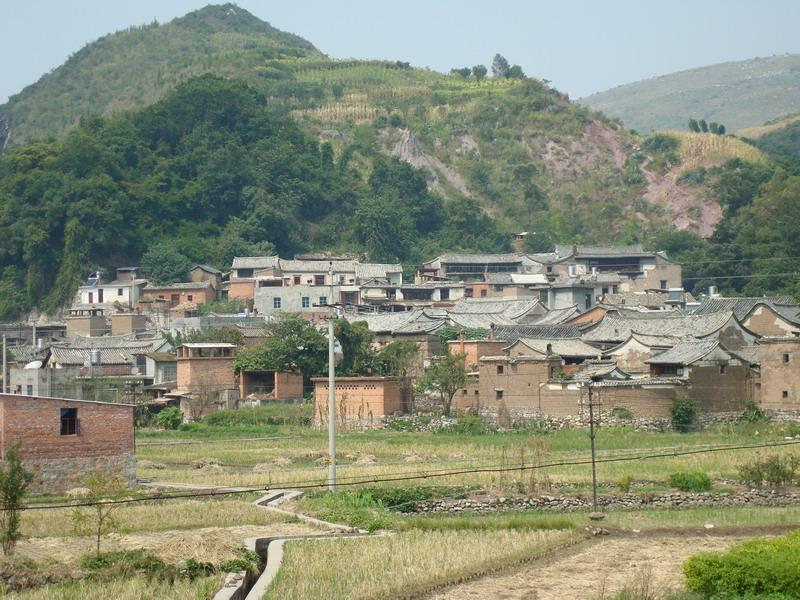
[
  {"x": 624, "y": 501},
  {"x": 57, "y": 475}
]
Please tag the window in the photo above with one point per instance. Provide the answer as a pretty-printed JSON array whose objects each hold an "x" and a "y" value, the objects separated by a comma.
[
  {"x": 244, "y": 272},
  {"x": 305, "y": 301},
  {"x": 499, "y": 369},
  {"x": 444, "y": 294},
  {"x": 498, "y": 394},
  {"x": 323, "y": 301},
  {"x": 319, "y": 279},
  {"x": 785, "y": 359},
  {"x": 276, "y": 302},
  {"x": 549, "y": 269},
  {"x": 297, "y": 279},
  {"x": 119, "y": 291},
  {"x": 785, "y": 394},
  {"x": 69, "y": 421},
  {"x": 468, "y": 293},
  {"x": 663, "y": 284},
  {"x": 100, "y": 295},
  {"x": 483, "y": 293},
  {"x": 588, "y": 301},
  {"x": 722, "y": 369},
  {"x": 29, "y": 390},
  {"x": 189, "y": 297}
]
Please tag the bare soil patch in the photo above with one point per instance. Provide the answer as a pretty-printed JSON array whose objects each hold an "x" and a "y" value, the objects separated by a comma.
[{"x": 600, "y": 566}]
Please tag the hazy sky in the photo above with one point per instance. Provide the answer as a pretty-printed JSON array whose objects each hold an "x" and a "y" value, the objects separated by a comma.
[{"x": 582, "y": 46}]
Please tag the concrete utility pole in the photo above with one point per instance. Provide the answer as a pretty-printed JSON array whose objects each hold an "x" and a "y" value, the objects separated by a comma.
[
  {"x": 5, "y": 367},
  {"x": 595, "y": 515},
  {"x": 331, "y": 391}
]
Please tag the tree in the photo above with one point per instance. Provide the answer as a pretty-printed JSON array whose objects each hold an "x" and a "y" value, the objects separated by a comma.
[
  {"x": 397, "y": 358},
  {"x": 713, "y": 127},
  {"x": 445, "y": 377},
  {"x": 462, "y": 72},
  {"x": 500, "y": 66},
  {"x": 355, "y": 340},
  {"x": 694, "y": 125},
  {"x": 98, "y": 519},
  {"x": 294, "y": 345},
  {"x": 479, "y": 72},
  {"x": 14, "y": 482},
  {"x": 163, "y": 264},
  {"x": 721, "y": 129},
  {"x": 703, "y": 126},
  {"x": 169, "y": 418},
  {"x": 515, "y": 72}
]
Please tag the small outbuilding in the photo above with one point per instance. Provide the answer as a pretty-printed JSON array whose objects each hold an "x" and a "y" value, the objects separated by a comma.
[
  {"x": 62, "y": 441},
  {"x": 362, "y": 399}
]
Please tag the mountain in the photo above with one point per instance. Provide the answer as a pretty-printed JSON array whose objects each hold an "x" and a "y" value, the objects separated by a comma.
[
  {"x": 737, "y": 94},
  {"x": 218, "y": 127},
  {"x": 137, "y": 66}
]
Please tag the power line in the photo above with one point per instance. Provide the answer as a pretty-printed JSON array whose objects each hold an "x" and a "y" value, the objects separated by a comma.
[{"x": 416, "y": 476}]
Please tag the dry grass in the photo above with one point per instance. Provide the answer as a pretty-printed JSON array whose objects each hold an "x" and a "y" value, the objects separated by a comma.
[
  {"x": 706, "y": 149},
  {"x": 410, "y": 562},
  {"x": 760, "y": 130},
  {"x": 175, "y": 514},
  {"x": 134, "y": 588}
]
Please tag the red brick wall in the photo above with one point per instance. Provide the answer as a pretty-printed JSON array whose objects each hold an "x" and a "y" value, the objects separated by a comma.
[
  {"x": 104, "y": 429},
  {"x": 358, "y": 397},
  {"x": 206, "y": 374}
]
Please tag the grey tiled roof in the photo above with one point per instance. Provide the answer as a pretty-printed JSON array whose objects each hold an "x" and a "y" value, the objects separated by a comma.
[
  {"x": 469, "y": 259},
  {"x": 254, "y": 262},
  {"x": 511, "y": 333},
  {"x": 562, "y": 347},
  {"x": 189, "y": 285},
  {"x": 685, "y": 352},
  {"x": 618, "y": 326},
  {"x": 786, "y": 306},
  {"x": 557, "y": 316},
  {"x": 601, "y": 251}
]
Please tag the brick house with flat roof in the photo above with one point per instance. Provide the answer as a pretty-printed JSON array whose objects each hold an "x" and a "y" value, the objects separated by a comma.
[{"x": 62, "y": 441}]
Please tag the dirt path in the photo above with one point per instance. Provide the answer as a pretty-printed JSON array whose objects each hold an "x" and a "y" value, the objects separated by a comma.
[{"x": 600, "y": 566}]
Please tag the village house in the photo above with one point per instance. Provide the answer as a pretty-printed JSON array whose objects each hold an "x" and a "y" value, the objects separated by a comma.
[
  {"x": 206, "y": 273},
  {"x": 206, "y": 380},
  {"x": 774, "y": 316},
  {"x": 719, "y": 380},
  {"x": 362, "y": 401},
  {"x": 779, "y": 359},
  {"x": 63, "y": 441},
  {"x": 174, "y": 294},
  {"x": 268, "y": 386},
  {"x": 123, "y": 292}
]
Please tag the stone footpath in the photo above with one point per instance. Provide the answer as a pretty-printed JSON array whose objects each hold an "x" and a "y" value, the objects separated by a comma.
[{"x": 623, "y": 501}]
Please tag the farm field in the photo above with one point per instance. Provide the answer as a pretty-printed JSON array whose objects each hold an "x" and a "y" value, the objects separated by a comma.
[{"x": 383, "y": 475}]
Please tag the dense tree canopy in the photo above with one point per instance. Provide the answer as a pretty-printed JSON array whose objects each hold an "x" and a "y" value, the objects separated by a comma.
[{"x": 203, "y": 175}]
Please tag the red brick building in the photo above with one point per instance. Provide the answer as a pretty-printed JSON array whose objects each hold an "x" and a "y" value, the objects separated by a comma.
[
  {"x": 362, "y": 399},
  {"x": 63, "y": 441}
]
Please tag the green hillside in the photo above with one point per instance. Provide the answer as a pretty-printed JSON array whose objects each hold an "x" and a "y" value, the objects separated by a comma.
[
  {"x": 738, "y": 94},
  {"x": 137, "y": 66},
  {"x": 218, "y": 127}
]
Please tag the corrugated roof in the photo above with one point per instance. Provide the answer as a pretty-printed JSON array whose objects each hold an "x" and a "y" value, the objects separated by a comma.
[
  {"x": 254, "y": 262},
  {"x": 685, "y": 352},
  {"x": 561, "y": 347}
]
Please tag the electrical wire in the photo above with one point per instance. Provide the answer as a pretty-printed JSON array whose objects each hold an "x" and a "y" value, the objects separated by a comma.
[{"x": 410, "y": 477}]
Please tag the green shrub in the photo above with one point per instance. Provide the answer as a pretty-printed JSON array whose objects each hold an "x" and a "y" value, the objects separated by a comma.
[
  {"x": 684, "y": 412},
  {"x": 276, "y": 413},
  {"x": 357, "y": 508},
  {"x": 248, "y": 561},
  {"x": 757, "y": 567},
  {"x": 623, "y": 484},
  {"x": 621, "y": 412},
  {"x": 125, "y": 563},
  {"x": 169, "y": 418},
  {"x": 771, "y": 471},
  {"x": 752, "y": 413},
  {"x": 468, "y": 425},
  {"x": 690, "y": 481}
]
